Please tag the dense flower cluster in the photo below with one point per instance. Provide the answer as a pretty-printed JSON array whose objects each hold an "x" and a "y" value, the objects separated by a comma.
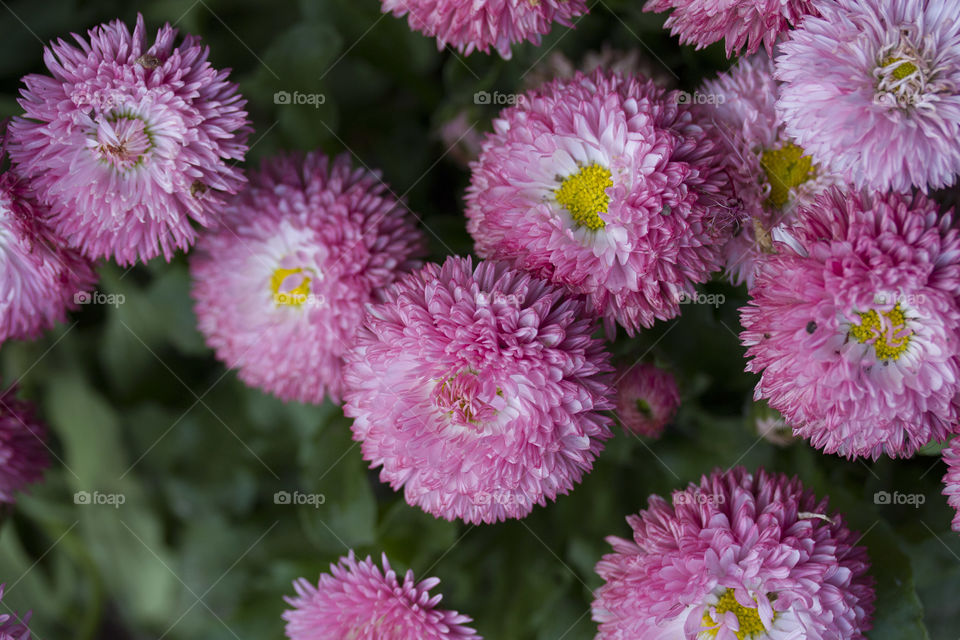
[
  {"x": 478, "y": 390},
  {"x": 736, "y": 557},
  {"x": 357, "y": 600},
  {"x": 609, "y": 186}
]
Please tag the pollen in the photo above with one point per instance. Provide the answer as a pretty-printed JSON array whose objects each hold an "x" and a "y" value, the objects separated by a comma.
[
  {"x": 751, "y": 625},
  {"x": 787, "y": 168},
  {"x": 886, "y": 331},
  {"x": 290, "y": 286},
  {"x": 584, "y": 195}
]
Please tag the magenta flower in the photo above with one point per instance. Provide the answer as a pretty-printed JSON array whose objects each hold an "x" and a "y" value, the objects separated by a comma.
[
  {"x": 771, "y": 175},
  {"x": 281, "y": 286},
  {"x": 479, "y": 391},
  {"x": 39, "y": 277},
  {"x": 951, "y": 481},
  {"x": 737, "y": 557},
  {"x": 872, "y": 91},
  {"x": 647, "y": 399},
  {"x": 129, "y": 142},
  {"x": 608, "y": 186},
  {"x": 477, "y": 25},
  {"x": 12, "y": 626},
  {"x": 358, "y": 601},
  {"x": 23, "y": 449},
  {"x": 739, "y": 23},
  {"x": 853, "y": 325}
]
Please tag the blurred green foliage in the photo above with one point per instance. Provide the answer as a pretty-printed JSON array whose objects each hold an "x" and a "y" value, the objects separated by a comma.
[{"x": 138, "y": 406}]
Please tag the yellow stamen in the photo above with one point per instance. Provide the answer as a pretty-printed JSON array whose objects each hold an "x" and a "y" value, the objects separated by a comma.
[
  {"x": 749, "y": 617},
  {"x": 584, "y": 195},
  {"x": 890, "y": 339},
  {"x": 294, "y": 297},
  {"x": 904, "y": 70},
  {"x": 786, "y": 168}
]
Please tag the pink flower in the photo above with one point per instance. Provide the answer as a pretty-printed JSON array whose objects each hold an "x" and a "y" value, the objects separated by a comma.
[
  {"x": 39, "y": 276},
  {"x": 772, "y": 176},
  {"x": 872, "y": 91},
  {"x": 280, "y": 287},
  {"x": 951, "y": 481},
  {"x": 479, "y": 391},
  {"x": 737, "y": 556},
  {"x": 470, "y": 25},
  {"x": 358, "y": 601},
  {"x": 739, "y": 23},
  {"x": 854, "y": 323},
  {"x": 128, "y": 143},
  {"x": 608, "y": 186},
  {"x": 12, "y": 626},
  {"x": 23, "y": 451},
  {"x": 647, "y": 399}
]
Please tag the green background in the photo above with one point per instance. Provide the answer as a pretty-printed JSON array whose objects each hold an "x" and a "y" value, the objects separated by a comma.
[{"x": 137, "y": 404}]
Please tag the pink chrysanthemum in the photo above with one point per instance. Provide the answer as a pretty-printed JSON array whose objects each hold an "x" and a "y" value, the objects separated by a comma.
[
  {"x": 771, "y": 175},
  {"x": 470, "y": 25},
  {"x": 872, "y": 91},
  {"x": 647, "y": 399},
  {"x": 128, "y": 142},
  {"x": 739, "y": 23},
  {"x": 280, "y": 287},
  {"x": 358, "y": 601},
  {"x": 480, "y": 391},
  {"x": 13, "y": 626},
  {"x": 606, "y": 185},
  {"x": 737, "y": 557},
  {"x": 951, "y": 481},
  {"x": 23, "y": 452},
  {"x": 854, "y": 324},
  {"x": 39, "y": 276}
]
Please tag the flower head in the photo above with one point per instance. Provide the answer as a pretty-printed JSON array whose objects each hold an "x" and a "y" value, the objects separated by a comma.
[
  {"x": 739, "y": 23},
  {"x": 12, "y": 626},
  {"x": 477, "y": 25},
  {"x": 951, "y": 481},
  {"x": 737, "y": 557},
  {"x": 608, "y": 186},
  {"x": 478, "y": 390},
  {"x": 39, "y": 276},
  {"x": 357, "y": 600},
  {"x": 128, "y": 142},
  {"x": 853, "y": 324},
  {"x": 23, "y": 451},
  {"x": 281, "y": 286},
  {"x": 871, "y": 90},
  {"x": 647, "y": 399},
  {"x": 771, "y": 175}
]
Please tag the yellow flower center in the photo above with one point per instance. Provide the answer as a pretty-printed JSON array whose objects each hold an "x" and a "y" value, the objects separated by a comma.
[
  {"x": 887, "y": 332},
  {"x": 786, "y": 168},
  {"x": 901, "y": 71},
  {"x": 750, "y": 623},
  {"x": 290, "y": 286},
  {"x": 584, "y": 195}
]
